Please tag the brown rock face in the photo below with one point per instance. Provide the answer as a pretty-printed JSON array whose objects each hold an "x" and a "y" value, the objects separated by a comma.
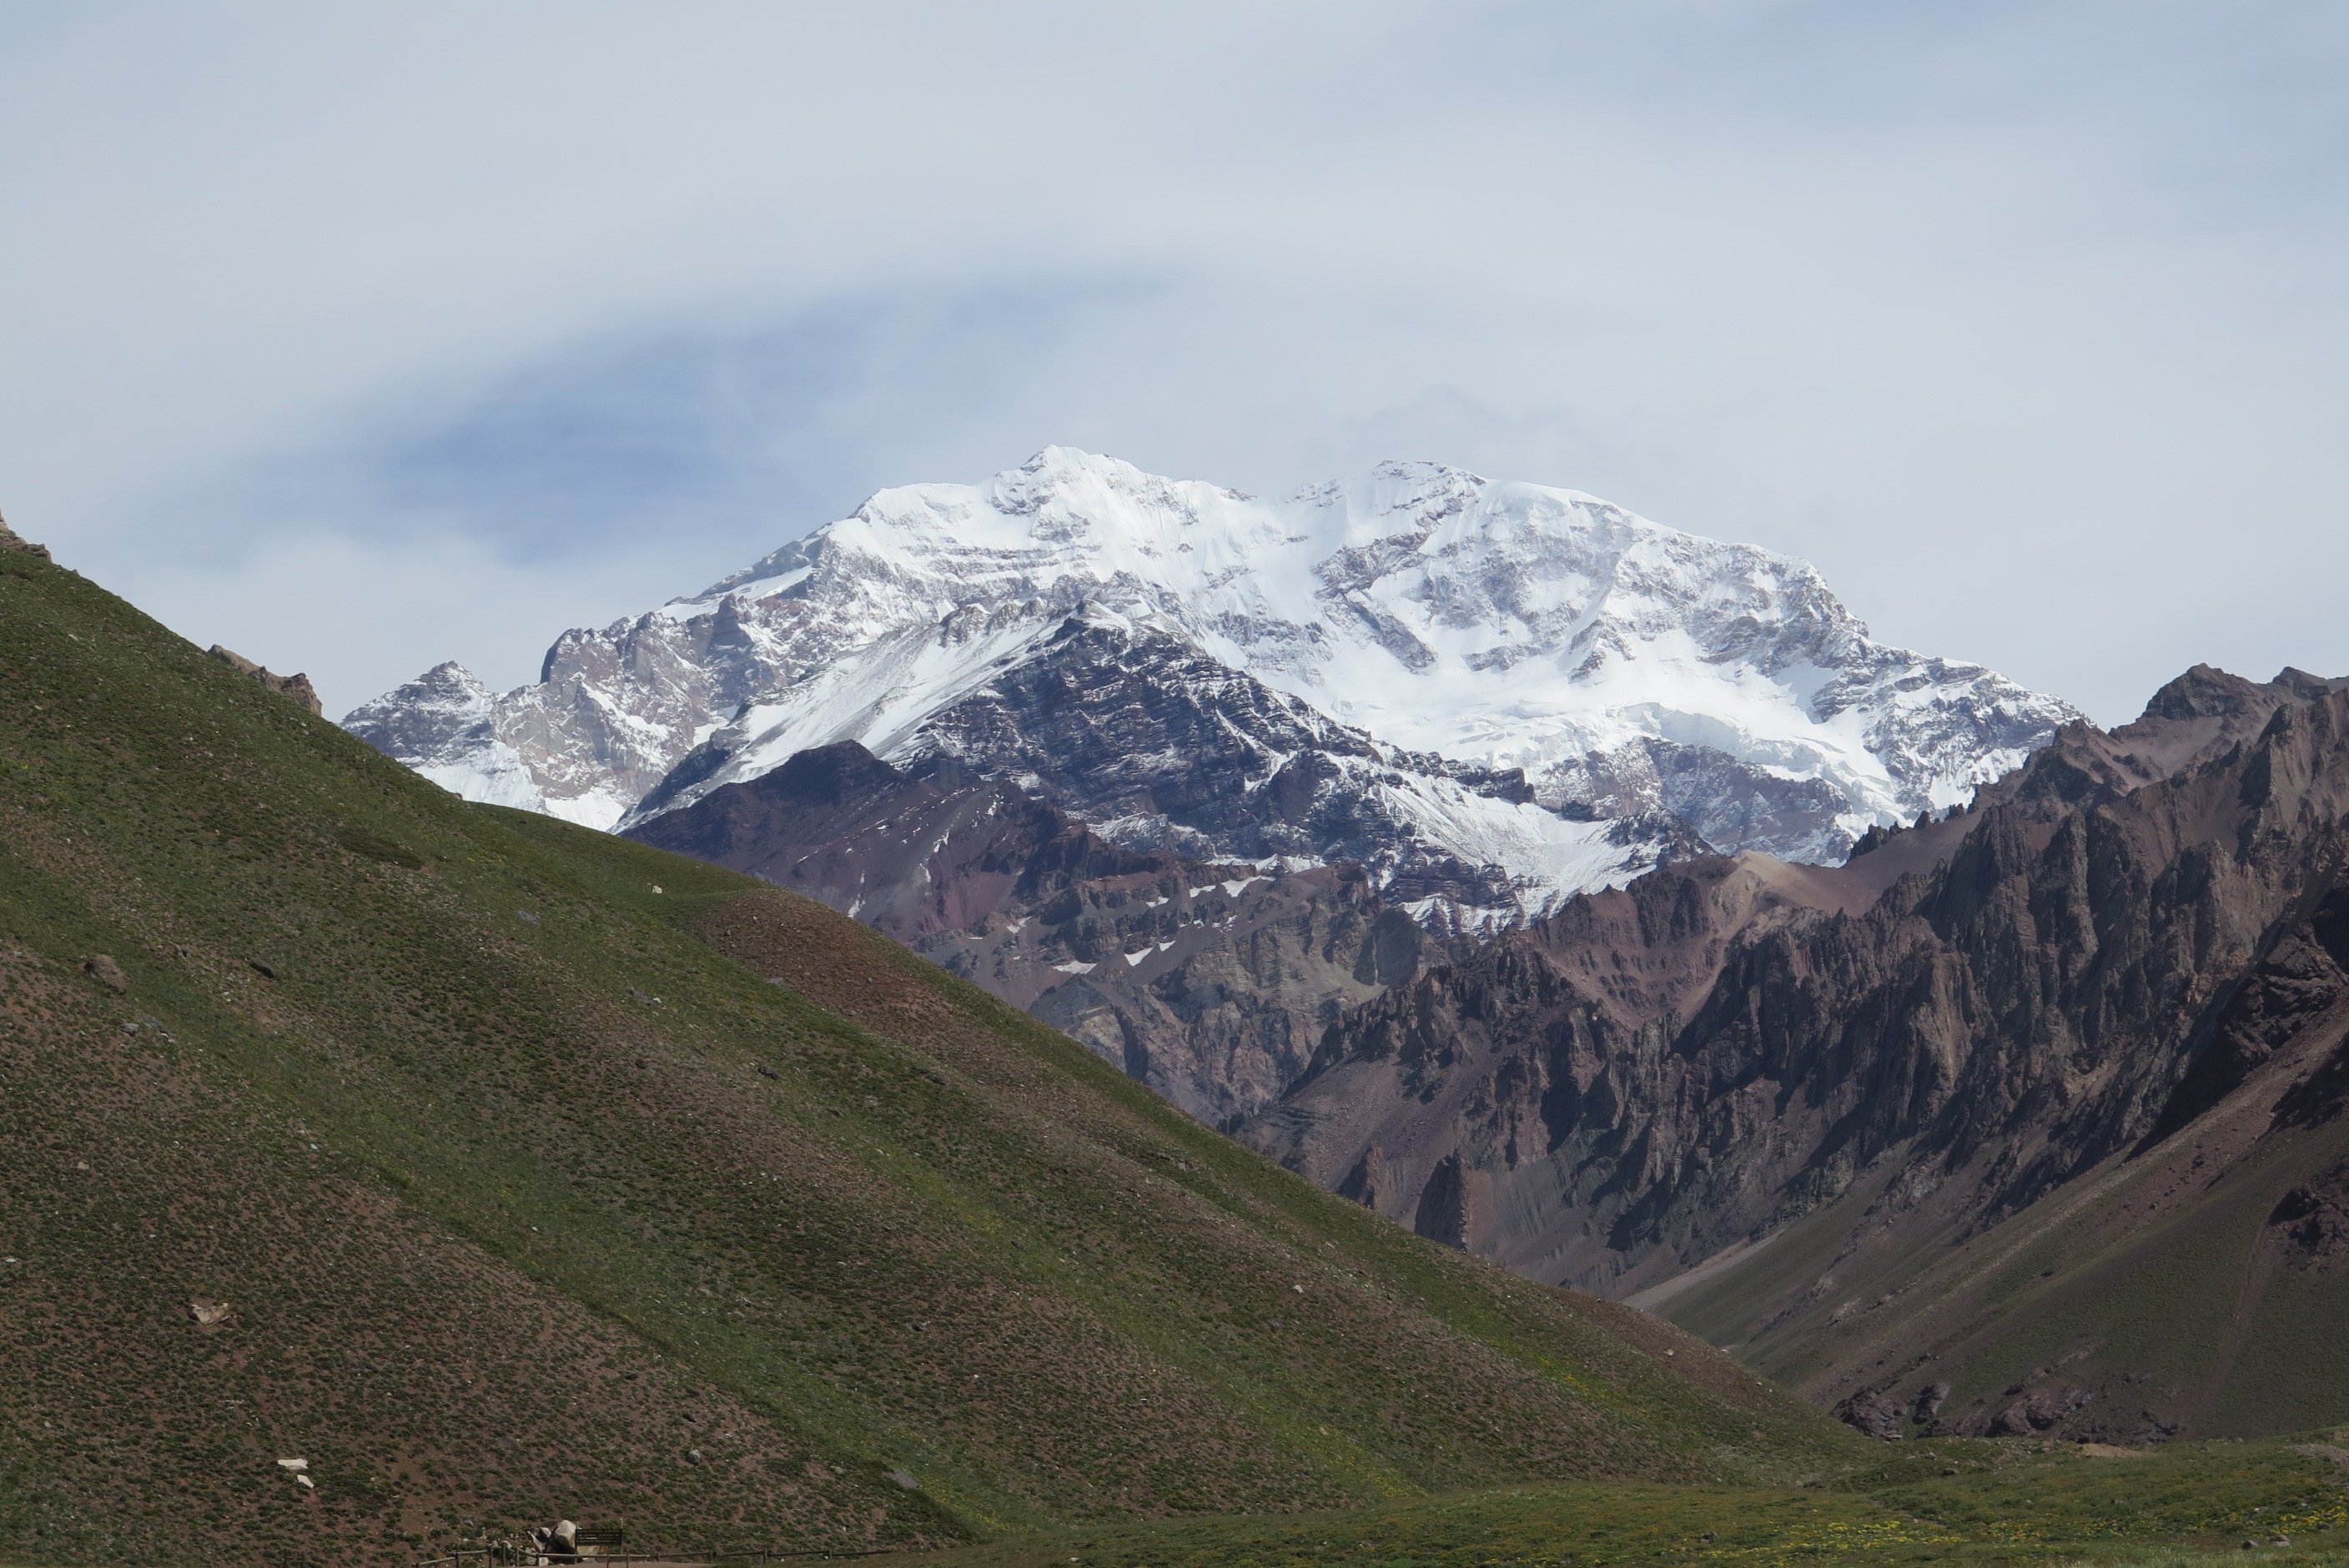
[
  {"x": 1537, "y": 1097},
  {"x": 2037, "y": 1411},
  {"x": 1747, "y": 1089},
  {"x": 294, "y": 689},
  {"x": 1208, "y": 980}
]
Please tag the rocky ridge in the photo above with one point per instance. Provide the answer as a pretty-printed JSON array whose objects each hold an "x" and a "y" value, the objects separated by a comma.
[
  {"x": 1761, "y": 1096},
  {"x": 294, "y": 689},
  {"x": 10, "y": 540}
]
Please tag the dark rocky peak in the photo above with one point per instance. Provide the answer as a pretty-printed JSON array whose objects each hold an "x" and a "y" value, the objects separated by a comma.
[
  {"x": 1131, "y": 726},
  {"x": 2204, "y": 712},
  {"x": 2308, "y": 687},
  {"x": 2192, "y": 722},
  {"x": 1883, "y": 854},
  {"x": 2204, "y": 691},
  {"x": 840, "y": 774}
]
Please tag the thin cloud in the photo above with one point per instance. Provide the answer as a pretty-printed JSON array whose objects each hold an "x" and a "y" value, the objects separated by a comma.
[{"x": 2018, "y": 320}]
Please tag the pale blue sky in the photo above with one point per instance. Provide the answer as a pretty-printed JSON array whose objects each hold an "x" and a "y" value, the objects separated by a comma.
[{"x": 358, "y": 337}]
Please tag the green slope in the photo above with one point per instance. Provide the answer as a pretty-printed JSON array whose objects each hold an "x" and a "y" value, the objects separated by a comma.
[
  {"x": 1950, "y": 1502},
  {"x": 528, "y": 1198}
]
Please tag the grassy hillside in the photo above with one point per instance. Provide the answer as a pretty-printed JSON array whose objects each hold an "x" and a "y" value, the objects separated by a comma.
[
  {"x": 1950, "y": 1502},
  {"x": 528, "y": 1191}
]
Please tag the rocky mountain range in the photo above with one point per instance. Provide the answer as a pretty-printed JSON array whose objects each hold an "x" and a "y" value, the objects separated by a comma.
[
  {"x": 1421, "y": 700},
  {"x": 1971, "y": 1134},
  {"x": 1585, "y": 896},
  {"x": 387, "y": 1174},
  {"x": 1491, "y": 695},
  {"x": 364, "y": 1137}
]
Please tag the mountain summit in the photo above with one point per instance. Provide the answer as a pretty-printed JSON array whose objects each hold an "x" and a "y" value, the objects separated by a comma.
[{"x": 1493, "y": 695}]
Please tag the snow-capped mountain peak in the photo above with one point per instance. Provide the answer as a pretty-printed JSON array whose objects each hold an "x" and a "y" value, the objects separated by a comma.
[{"x": 1633, "y": 672}]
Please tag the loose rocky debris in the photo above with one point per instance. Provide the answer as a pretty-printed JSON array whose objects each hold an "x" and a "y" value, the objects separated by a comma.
[
  {"x": 2036, "y": 1411},
  {"x": 294, "y": 689},
  {"x": 103, "y": 969},
  {"x": 1872, "y": 1412},
  {"x": 2313, "y": 1221}
]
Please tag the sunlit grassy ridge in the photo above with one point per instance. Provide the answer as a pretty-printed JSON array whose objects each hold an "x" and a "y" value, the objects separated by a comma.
[{"x": 531, "y": 1193}]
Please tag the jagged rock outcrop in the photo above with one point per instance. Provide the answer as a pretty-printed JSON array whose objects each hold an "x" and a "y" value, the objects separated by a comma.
[
  {"x": 11, "y": 539},
  {"x": 1996, "y": 1003},
  {"x": 2026, "y": 1121},
  {"x": 294, "y": 689}
]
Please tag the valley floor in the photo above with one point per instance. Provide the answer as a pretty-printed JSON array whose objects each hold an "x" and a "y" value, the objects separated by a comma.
[{"x": 1953, "y": 1501}]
